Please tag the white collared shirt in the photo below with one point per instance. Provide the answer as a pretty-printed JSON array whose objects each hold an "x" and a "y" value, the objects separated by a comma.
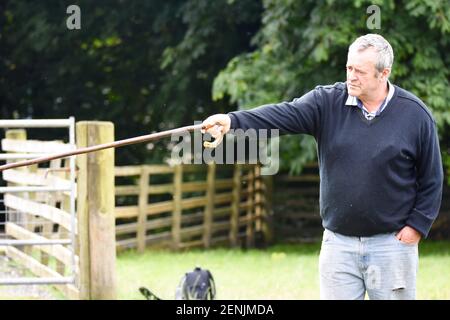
[{"x": 354, "y": 101}]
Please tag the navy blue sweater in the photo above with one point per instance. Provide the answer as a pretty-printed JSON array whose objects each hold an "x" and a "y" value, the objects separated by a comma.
[{"x": 376, "y": 176}]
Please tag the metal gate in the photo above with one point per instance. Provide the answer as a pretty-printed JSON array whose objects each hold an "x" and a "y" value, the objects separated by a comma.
[{"x": 21, "y": 207}]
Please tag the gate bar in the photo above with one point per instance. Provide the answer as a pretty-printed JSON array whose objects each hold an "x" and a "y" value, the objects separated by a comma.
[
  {"x": 21, "y": 281},
  {"x": 35, "y": 123},
  {"x": 13, "y": 156},
  {"x": 30, "y": 242},
  {"x": 73, "y": 220},
  {"x": 33, "y": 189}
]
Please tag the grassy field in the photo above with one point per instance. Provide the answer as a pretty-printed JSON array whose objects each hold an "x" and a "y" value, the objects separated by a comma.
[{"x": 279, "y": 272}]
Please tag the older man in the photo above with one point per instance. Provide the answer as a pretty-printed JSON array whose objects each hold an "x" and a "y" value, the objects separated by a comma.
[{"x": 380, "y": 167}]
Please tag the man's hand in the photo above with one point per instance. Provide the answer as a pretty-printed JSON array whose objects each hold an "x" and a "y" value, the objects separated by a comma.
[
  {"x": 217, "y": 126},
  {"x": 409, "y": 235}
]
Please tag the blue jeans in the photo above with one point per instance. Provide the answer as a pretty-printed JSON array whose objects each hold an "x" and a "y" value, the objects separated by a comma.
[{"x": 380, "y": 265}]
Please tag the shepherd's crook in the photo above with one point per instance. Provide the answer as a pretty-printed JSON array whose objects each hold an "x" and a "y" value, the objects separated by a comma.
[{"x": 115, "y": 144}]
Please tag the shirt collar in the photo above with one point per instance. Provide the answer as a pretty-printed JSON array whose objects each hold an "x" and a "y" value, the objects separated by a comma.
[{"x": 353, "y": 101}]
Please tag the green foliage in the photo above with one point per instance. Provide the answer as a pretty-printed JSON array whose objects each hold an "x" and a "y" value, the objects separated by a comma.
[
  {"x": 152, "y": 65},
  {"x": 145, "y": 65},
  {"x": 301, "y": 44}
]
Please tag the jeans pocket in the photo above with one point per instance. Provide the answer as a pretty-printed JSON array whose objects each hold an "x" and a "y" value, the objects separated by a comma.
[
  {"x": 403, "y": 243},
  {"x": 328, "y": 236}
]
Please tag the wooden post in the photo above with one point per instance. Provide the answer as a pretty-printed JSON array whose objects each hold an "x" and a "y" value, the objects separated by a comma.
[
  {"x": 176, "y": 216},
  {"x": 143, "y": 203},
  {"x": 17, "y": 134},
  {"x": 258, "y": 211},
  {"x": 95, "y": 211},
  {"x": 267, "y": 225},
  {"x": 250, "y": 231},
  {"x": 234, "y": 219},
  {"x": 209, "y": 208}
]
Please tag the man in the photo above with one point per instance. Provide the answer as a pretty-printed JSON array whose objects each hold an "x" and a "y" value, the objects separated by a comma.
[{"x": 380, "y": 167}]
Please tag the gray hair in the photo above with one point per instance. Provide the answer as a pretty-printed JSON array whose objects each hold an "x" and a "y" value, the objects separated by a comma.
[{"x": 381, "y": 46}]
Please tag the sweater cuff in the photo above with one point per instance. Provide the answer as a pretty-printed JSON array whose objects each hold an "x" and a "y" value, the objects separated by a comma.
[
  {"x": 420, "y": 222},
  {"x": 233, "y": 123}
]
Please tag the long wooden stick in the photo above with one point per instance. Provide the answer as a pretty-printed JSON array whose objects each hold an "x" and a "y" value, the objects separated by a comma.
[{"x": 115, "y": 144}]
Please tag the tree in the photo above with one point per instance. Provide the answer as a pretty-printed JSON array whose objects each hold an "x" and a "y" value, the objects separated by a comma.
[{"x": 144, "y": 65}]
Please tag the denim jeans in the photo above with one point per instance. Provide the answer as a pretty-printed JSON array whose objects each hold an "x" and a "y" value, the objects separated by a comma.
[{"x": 381, "y": 266}]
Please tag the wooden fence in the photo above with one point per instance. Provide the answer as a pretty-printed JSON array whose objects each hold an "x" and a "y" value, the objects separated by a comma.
[
  {"x": 296, "y": 206},
  {"x": 189, "y": 205}
]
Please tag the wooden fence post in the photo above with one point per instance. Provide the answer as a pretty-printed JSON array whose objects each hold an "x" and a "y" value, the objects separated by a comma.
[
  {"x": 143, "y": 202},
  {"x": 234, "y": 219},
  {"x": 209, "y": 208},
  {"x": 257, "y": 203},
  {"x": 95, "y": 211},
  {"x": 177, "y": 209},
  {"x": 267, "y": 223},
  {"x": 250, "y": 230}
]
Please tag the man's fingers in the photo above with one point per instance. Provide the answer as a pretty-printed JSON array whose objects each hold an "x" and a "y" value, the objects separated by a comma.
[
  {"x": 208, "y": 124},
  {"x": 217, "y": 125},
  {"x": 205, "y": 126},
  {"x": 213, "y": 129},
  {"x": 216, "y": 131}
]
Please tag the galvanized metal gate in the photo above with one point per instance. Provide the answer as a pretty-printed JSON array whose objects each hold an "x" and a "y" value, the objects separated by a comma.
[{"x": 13, "y": 201}]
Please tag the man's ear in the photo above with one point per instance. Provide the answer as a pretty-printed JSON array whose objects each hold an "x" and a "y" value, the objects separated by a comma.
[{"x": 385, "y": 73}]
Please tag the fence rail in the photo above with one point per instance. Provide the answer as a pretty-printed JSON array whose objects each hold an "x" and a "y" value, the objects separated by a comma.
[{"x": 215, "y": 204}]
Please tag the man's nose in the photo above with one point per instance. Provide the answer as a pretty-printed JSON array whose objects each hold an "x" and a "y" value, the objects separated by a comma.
[{"x": 351, "y": 75}]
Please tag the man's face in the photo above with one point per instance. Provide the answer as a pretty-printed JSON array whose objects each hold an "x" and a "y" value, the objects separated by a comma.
[{"x": 362, "y": 76}]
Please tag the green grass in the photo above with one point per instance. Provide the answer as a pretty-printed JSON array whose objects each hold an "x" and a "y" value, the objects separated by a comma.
[
  {"x": 279, "y": 272},
  {"x": 434, "y": 271}
]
